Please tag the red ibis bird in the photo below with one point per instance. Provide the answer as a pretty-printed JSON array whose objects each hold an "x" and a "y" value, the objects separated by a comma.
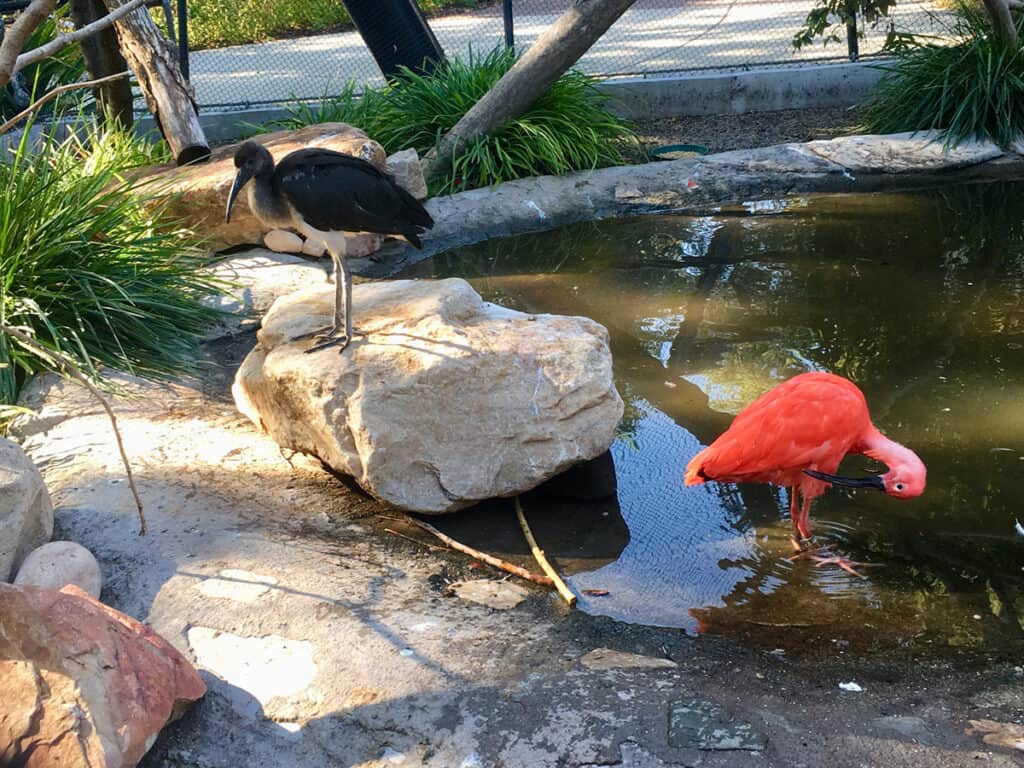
[
  {"x": 324, "y": 194},
  {"x": 795, "y": 435}
]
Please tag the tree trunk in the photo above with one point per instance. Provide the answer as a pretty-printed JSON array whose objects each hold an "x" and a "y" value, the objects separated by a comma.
[
  {"x": 102, "y": 58},
  {"x": 1002, "y": 20},
  {"x": 555, "y": 51},
  {"x": 168, "y": 96}
]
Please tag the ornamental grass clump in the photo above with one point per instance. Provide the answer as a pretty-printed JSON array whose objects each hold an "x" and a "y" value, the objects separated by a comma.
[
  {"x": 568, "y": 129},
  {"x": 89, "y": 267},
  {"x": 972, "y": 88}
]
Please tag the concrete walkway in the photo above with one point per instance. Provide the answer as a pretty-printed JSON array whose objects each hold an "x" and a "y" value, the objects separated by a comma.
[{"x": 653, "y": 36}]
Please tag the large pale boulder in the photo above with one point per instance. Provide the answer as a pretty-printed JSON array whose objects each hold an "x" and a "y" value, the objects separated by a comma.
[
  {"x": 445, "y": 401},
  {"x": 84, "y": 686},
  {"x": 26, "y": 513},
  {"x": 199, "y": 193}
]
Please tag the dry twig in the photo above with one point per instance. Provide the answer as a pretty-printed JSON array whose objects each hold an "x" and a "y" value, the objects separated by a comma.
[
  {"x": 538, "y": 554},
  {"x": 54, "y": 94},
  {"x": 483, "y": 556},
  {"x": 68, "y": 365}
]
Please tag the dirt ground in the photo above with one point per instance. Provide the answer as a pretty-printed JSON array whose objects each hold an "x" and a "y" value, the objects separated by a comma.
[{"x": 722, "y": 133}]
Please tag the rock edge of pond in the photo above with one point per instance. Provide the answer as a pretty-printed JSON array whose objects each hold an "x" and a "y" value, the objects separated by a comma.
[{"x": 848, "y": 164}]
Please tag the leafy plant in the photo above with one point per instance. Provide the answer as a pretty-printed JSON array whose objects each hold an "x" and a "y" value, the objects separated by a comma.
[
  {"x": 569, "y": 128},
  {"x": 89, "y": 268},
  {"x": 217, "y": 23},
  {"x": 972, "y": 88},
  {"x": 65, "y": 66},
  {"x": 828, "y": 19}
]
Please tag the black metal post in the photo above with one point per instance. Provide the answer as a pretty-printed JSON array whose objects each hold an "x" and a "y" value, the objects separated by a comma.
[
  {"x": 510, "y": 39},
  {"x": 852, "y": 44},
  {"x": 183, "y": 38}
]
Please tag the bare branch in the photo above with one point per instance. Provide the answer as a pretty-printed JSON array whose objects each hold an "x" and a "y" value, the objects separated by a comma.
[
  {"x": 538, "y": 554},
  {"x": 497, "y": 562},
  {"x": 50, "y": 48},
  {"x": 56, "y": 92},
  {"x": 65, "y": 363},
  {"x": 18, "y": 34}
]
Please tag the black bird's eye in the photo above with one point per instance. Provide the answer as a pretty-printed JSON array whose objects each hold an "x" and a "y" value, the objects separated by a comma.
[{"x": 898, "y": 486}]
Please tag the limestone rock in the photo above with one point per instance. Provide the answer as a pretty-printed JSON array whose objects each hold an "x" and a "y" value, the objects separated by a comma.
[
  {"x": 84, "y": 685},
  {"x": 446, "y": 401},
  {"x": 200, "y": 192},
  {"x": 256, "y": 278},
  {"x": 283, "y": 241},
  {"x": 902, "y": 152},
  {"x": 500, "y": 595},
  {"x": 59, "y": 563},
  {"x": 607, "y": 658},
  {"x": 26, "y": 514},
  {"x": 405, "y": 167}
]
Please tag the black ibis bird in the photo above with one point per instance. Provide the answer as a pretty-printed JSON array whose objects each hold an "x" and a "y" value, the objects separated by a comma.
[{"x": 324, "y": 194}]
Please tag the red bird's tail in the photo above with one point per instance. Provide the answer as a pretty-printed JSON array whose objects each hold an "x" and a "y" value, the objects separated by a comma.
[{"x": 695, "y": 469}]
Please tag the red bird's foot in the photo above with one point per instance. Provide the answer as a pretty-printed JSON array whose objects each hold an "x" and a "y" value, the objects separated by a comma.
[{"x": 850, "y": 566}]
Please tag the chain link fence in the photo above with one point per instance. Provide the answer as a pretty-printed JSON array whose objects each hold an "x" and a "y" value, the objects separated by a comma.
[{"x": 654, "y": 37}]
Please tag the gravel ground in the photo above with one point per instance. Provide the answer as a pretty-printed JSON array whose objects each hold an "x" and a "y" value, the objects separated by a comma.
[{"x": 721, "y": 133}]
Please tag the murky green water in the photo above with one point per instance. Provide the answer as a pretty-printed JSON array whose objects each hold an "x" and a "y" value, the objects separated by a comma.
[{"x": 917, "y": 298}]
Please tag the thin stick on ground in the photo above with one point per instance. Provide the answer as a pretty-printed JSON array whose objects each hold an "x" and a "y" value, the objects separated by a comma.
[
  {"x": 65, "y": 363},
  {"x": 414, "y": 540},
  {"x": 538, "y": 554},
  {"x": 483, "y": 556},
  {"x": 56, "y": 92}
]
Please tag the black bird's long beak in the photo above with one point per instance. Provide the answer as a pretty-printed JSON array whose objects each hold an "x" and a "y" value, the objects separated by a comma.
[
  {"x": 872, "y": 481},
  {"x": 243, "y": 175}
]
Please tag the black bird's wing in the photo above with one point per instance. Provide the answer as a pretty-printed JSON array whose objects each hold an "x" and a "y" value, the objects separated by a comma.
[{"x": 333, "y": 191}]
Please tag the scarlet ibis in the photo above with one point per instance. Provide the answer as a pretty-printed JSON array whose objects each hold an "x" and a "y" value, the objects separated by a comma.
[
  {"x": 795, "y": 435},
  {"x": 324, "y": 194}
]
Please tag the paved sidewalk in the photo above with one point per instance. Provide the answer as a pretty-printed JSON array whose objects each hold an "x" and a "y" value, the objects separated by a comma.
[{"x": 653, "y": 36}]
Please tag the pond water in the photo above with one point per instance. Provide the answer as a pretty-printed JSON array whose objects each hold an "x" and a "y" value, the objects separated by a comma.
[{"x": 919, "y": 298}]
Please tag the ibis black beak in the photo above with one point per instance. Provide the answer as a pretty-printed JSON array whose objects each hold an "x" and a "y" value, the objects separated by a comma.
[
  {"x": 872, "y": 481},
  {"x": 243, "y": 176}
]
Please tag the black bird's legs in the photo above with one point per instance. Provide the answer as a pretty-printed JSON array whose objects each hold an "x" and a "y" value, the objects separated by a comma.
[{"x": 331, "y": 336}]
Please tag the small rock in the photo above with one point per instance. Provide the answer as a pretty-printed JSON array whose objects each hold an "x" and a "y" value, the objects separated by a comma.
[
  {"x": 500, "y": 595},
  {"x": 26, "y": 513},
  {"x": 283, "y": 241},
  {"x": 606, "y": 658},
  {"x": 998, "y": 734},
  {"x": 701, "y": 724},
  {"x": 83, "y": 684},
  {"x": 851, "y": 686},
  {"x": 61, "y": 562},
  {"x": 315, "y": 248},
  {"x": 408, "y": 172}
]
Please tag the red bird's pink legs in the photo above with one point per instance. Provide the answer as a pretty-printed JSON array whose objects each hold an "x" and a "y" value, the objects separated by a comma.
[{"x": 800, "y": 514}]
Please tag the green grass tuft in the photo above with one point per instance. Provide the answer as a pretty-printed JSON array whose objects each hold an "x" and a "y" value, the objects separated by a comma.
[
  {"x": 973, "y": 88},
  {"x": 88, "y": 264},
  {"x": 568, "y": 129}
]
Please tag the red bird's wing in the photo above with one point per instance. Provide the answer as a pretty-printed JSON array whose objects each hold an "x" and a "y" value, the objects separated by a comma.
[{"x": 810, "y": 421}]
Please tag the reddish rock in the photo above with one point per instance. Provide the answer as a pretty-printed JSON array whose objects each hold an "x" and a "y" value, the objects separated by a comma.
[{"x": 83, "y": 684}]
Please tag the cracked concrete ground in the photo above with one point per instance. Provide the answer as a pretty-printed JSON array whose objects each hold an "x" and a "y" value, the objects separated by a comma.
[{"x": 325, "y": 640}]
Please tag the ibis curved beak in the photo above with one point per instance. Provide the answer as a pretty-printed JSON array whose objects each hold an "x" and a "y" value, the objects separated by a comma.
[
  {"x": 872, "y": 481},
  {"x": 243, "y": 176}
]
